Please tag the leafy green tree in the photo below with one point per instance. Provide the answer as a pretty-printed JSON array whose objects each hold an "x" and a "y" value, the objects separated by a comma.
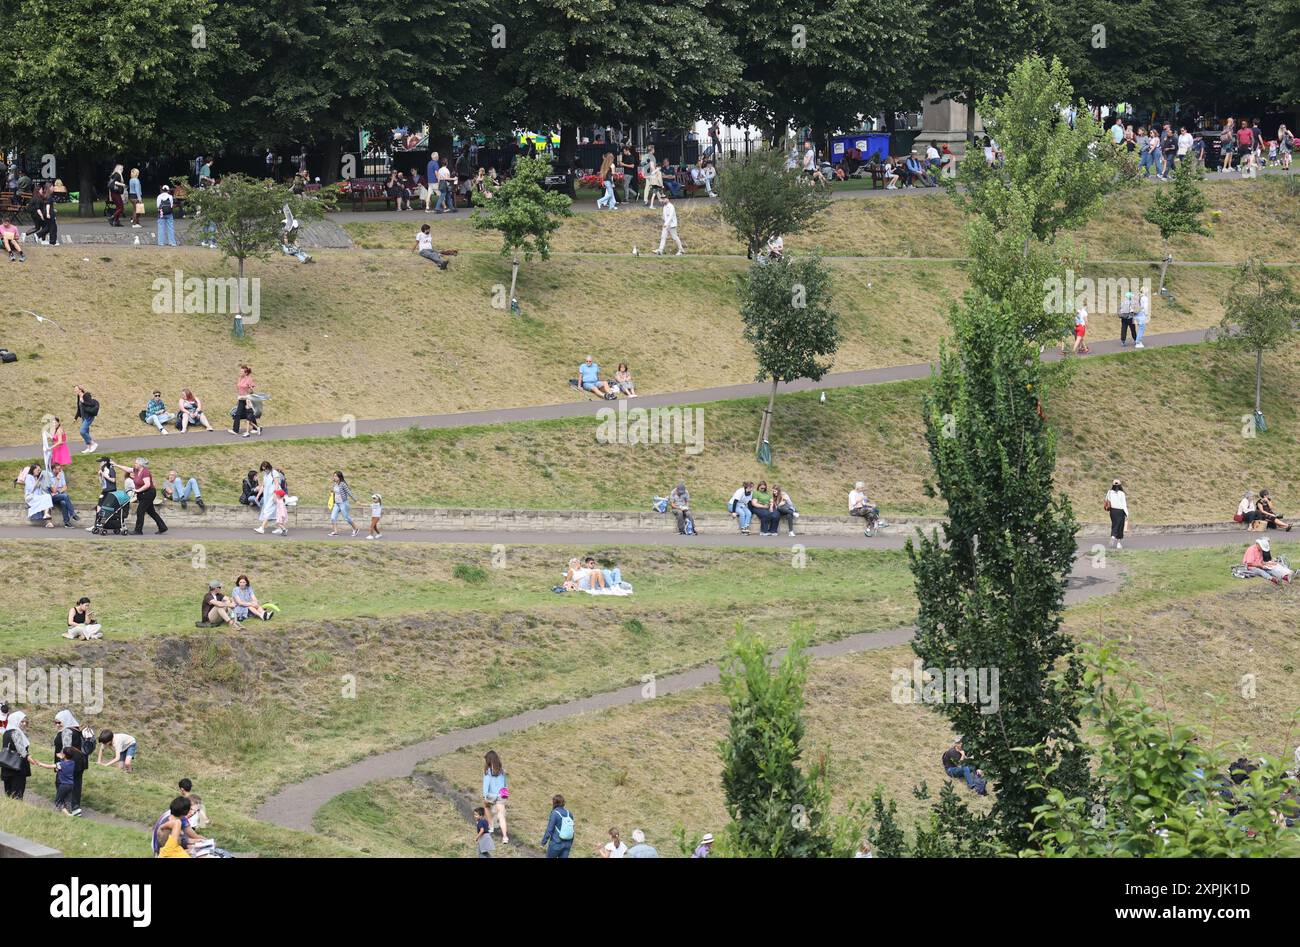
[
  {"x": 823, "y": 65},
  {"x": 1276, "y": 39},
  {"x": 244, "y": 216},
  {"x": 1164, "y": 793},
  {"x": 322, "y": 71},
  {"x": 973, "y": 46},
  {"x": 1260, "y": 313},
  {"x": 1053, "y": 178},
  {"x": 106, "y": 78},
  {"x": 759, "y": 199},
  {"x": 1177, "y": 209},
  {"x": 778, "y": 809},
  {"x": 991, "y": 590},
  {"x": 600, "y": 61},
  {"x": 524, "y": 212},
  {"x": 789, "y": 320}
]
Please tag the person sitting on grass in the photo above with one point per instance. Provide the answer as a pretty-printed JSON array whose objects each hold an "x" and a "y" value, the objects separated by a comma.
[
  {"x": 623, "y": 378},
  {"x": 424, "y": 247},
  {"x": 198, "y": 815},
  {"x": 191, "y": 411},
  {"x": 589, "y": 379},
  {"x": 246, "y": 602},
  {"x": 81, "y": 622},
  {"x": 1259, "y": 561},
  {"x": 1264, "y": 510},
  {"x": 9, "y": 234},
  {"x": 173, "y": 832},
  {"x": 156, "y": 413},
  {"x": 180, "y": 490},
  {"x": 124, "y": 748},
  {"x": 218, "y": 608},
  {"x": 955, "y": 765}
]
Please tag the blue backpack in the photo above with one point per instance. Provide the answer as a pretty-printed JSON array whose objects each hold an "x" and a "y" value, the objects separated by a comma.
[{"x": 564, "y": 832}]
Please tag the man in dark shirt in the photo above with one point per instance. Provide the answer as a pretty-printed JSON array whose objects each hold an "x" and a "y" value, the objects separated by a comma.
[
  {"x": 954, "y": 764},
  {"x": 218, "y": 607}
]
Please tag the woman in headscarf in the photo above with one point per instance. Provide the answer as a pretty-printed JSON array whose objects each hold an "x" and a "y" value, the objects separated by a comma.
[
  {"x": 15, "y": 737},
  {"x": 68, "y": 733}
]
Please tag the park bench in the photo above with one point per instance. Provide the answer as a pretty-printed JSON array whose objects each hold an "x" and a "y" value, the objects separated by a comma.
[
  {"x": 9, "y": 204},
  {"x": 361, "y": 193},
  {"x": 877, "y": 176}
]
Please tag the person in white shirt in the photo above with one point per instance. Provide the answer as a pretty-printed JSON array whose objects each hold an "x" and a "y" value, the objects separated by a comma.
[
  {"x": 859, "y": 505},
  {"x": 775, "y": 249},
  {"x": 932, "y": 156},
  {"x": 1143, "y": 316},
  {"x": 1246, "y": 509},
  {"x": 1117, "y": 504},
  {"x": 670, "y": 227},
  {"x": 1184, "y": 143},
  {"x": 615, "y": 847},
  {"x": 738, "y": 506},
  {"x": 424, "y": 247},
  {"x": 446, "y": 196},
  {"x": 809, "y": 159}
]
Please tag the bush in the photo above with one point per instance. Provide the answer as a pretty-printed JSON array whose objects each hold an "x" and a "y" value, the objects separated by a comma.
[{"x": 474, "y": 575}]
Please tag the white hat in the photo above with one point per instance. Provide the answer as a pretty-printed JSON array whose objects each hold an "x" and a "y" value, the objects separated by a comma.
[
  {"x": 638, "y": 836},
  {"x": 859, "y": 485},
  {"x": 1263, "y": 543},
  {"x": 707, "y": 840}
]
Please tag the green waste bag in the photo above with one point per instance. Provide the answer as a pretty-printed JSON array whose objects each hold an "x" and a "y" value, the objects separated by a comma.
[
  {"x": 765, "y": 453},
  {"x": 1260, "y": 425}
]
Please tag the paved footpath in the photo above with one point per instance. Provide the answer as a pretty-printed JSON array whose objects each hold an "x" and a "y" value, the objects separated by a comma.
[
  {"x": 295, "y": 806},
  {"x": 578, "y": 405}
]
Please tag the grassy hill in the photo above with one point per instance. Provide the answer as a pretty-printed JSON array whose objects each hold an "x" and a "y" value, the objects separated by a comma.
[
  {"x": 1167, "y": 421},
  {"x": 379, "y": 333}
]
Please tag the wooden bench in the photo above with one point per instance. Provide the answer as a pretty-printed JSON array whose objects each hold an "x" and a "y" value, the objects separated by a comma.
[
  {"x": 14, "y": 205},
  {"x": 877, "y": 177},
  {"x": 361, "y": 193}
]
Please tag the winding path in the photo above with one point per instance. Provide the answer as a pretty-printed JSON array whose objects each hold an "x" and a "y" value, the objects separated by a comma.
[
  {"x": 295, "y": 806},
  {"x": 578, "y": 406}
]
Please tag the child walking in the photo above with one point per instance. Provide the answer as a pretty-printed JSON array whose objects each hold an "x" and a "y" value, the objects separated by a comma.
[
  {"x": 340, "y": 497},
  {"x": 65, "y": 779},
  {"x": 376, "y": 511},
  {"x": 482, "y": 834},
  {"x": 281, "y": 513}
]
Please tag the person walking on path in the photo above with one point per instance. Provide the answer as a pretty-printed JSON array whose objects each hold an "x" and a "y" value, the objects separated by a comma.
[
  {"x": 266, "y": 495},
  {"x": 627, "y": 164},
  {"x": 608, "y": 201},
  {"x": 558, "y": 837},
  {"x": 68, "y": 734},
  {"x": 60, "y": 452},
  {"x": 340, "y": 497},
  {"x": 136, "y": 194},
  {"x": 495, "y": 793},
  {"x": 145, "y": 495},
  {"x": 244, "y": 388},
  {"x": 1142, "y": 318},
  {"x": 166, "y": 218},
  {"x": 1117, "y": 506},
  {"x": 87, "y": 411},
  {"x": 669, "y": 227},
  {"x": 1127, "y": 313},
  {"x": 116, "y": 188}
]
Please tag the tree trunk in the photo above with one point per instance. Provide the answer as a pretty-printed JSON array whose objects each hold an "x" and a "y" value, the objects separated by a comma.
[
  {"x": 765, "y": 428},
  {"x": 514, "y": 275},
  {"x": 333, "y": 161},
  {"x": 239, "y": 292},
  {"x": 1164, "y": 267},
  {"x": 1259, "y": 375},
  {"x": 86, "y": 179}
]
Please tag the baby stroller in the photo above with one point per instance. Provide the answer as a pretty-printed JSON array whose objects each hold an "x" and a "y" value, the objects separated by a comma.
[{"x": 110, "y": 516}]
